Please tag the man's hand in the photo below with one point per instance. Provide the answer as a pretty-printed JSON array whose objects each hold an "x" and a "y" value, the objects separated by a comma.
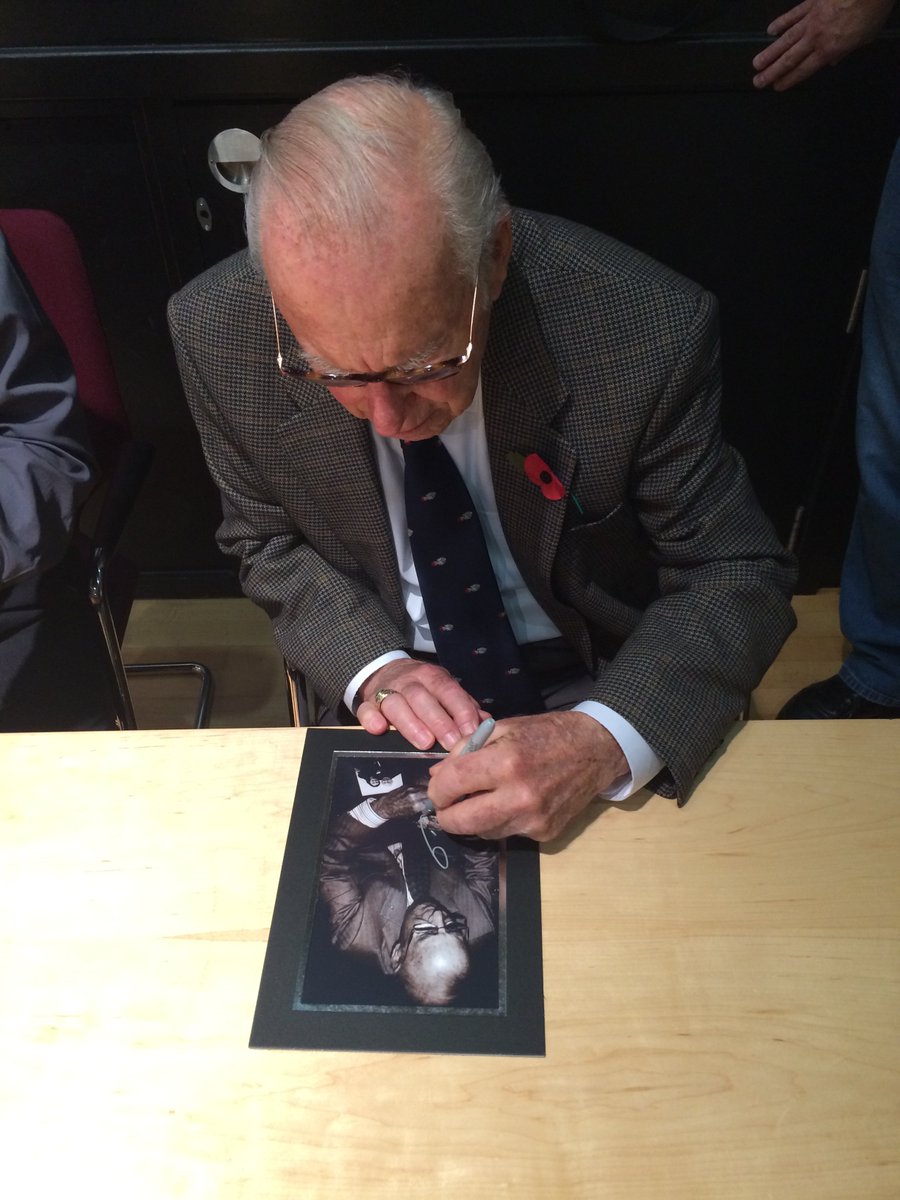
[
  {"x": 814, "y": 34},
  {"x": 409, "y": 801},
  {"x": 533, "y": 777},
  {"x": 429, "y": 704}
]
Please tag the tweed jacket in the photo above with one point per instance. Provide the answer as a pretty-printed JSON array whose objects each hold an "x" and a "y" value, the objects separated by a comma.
[{"x": 658, "y": 565}]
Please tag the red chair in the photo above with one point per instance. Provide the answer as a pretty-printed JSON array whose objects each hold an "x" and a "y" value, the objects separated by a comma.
[{"x": 46, "y": 250}]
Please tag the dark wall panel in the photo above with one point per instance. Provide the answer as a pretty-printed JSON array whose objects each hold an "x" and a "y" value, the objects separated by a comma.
[
  {"x": 85, "y": 162},
  {"x": 767, "y": 200}
]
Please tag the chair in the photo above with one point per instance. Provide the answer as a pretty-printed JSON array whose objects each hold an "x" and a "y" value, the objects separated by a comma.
[
  {"x": 304, "y": 705},
  {"x": 47, "y": 252}
]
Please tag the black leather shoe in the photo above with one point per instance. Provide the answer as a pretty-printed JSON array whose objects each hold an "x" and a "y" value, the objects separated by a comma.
[{"x": 831, "y": 699}]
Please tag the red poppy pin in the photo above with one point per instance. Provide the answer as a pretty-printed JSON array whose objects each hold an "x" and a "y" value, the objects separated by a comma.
[{"x": 540, "y": 474}]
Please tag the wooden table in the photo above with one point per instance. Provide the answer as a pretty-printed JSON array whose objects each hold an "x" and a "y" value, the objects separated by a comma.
[{"x": 722, "y": 990}]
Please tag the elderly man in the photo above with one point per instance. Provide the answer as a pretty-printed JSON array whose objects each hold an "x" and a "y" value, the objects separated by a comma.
[{"x": 401, "y": 363}]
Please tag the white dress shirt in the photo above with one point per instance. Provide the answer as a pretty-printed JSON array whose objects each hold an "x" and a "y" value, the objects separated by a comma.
[{"x": 466, "y": 443}]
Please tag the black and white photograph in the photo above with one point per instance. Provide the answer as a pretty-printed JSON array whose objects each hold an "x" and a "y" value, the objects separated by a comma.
[
  {"x": 405, "y": 914},
  {"x": 388, "y": 933}
]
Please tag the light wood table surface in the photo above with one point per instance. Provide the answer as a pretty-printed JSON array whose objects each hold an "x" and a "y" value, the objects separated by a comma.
[{"x": 722, "y": 990}]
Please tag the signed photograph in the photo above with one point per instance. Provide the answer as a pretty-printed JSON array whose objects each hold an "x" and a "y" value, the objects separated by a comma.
[
  {"x": 405, "y": 915},
  {"x": 389, "y": 933}
]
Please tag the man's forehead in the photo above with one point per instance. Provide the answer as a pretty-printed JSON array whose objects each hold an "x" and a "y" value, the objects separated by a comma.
[
  {"x": 364, "y": 308},
  {"x": 367, "y": 301},
  {"x": 410, "y": 233},
  {"x": 373, "y": 290},
  {"x": 389, "y": 315}
]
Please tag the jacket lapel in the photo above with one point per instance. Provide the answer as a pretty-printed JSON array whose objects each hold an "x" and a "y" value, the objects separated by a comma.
[
  {"x": 336, "y": 466},
  {"x": 522, "y": 397}
]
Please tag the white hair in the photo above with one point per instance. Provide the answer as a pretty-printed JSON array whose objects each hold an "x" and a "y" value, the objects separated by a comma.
[{"x": 339, "y": 159}]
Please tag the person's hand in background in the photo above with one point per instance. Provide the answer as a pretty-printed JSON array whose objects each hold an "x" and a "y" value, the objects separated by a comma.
[{"x": 815, "y": 34}]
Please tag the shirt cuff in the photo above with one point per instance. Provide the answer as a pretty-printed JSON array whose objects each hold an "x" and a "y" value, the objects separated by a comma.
[
  {"x": 366, "y": 814},
  {"x": 643, "y": 762},
  {"x": 361, "y": 676}
]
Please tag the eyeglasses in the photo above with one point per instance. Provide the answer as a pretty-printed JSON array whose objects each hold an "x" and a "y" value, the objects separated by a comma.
[
  {"x": 454, "y": 924},
  {"x": 427, "y": 374}
]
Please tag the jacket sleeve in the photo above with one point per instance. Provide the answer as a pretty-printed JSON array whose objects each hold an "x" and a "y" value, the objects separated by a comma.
[
  {"x": 723, "y": 610},
  {"x": 480, "y": 868},
  {"x": 45, "y": 465},
  {"x": 338, "y": 881}
]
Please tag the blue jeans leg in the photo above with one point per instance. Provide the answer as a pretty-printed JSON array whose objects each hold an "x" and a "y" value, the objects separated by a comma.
[{"x": 870, "y": 580}]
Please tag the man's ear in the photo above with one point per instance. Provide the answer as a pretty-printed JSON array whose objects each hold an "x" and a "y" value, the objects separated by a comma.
[
  {"x": 396, "y": 957},
  {"x": 501, "y": 248}
]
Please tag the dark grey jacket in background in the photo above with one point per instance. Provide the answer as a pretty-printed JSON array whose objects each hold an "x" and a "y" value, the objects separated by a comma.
[{"x": 45, "y": 464}]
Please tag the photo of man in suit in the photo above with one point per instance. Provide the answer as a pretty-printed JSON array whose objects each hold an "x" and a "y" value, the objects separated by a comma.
[
  {"x": 394, "y": 309},
  {"x": 403, "y": 898}
]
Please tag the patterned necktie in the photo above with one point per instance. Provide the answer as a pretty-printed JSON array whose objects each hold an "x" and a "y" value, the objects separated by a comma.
[{"x": 471, "y": 632}]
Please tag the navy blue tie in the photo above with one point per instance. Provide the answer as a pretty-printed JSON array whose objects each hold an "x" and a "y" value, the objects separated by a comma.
[{"x": 472, "y": 635}]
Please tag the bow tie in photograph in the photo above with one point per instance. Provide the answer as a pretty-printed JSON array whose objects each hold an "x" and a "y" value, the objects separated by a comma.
[{"x": 472, "y": 635}]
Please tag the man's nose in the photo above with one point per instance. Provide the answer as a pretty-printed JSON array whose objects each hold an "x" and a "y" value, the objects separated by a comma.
[{"x": 386, "y": 407}]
